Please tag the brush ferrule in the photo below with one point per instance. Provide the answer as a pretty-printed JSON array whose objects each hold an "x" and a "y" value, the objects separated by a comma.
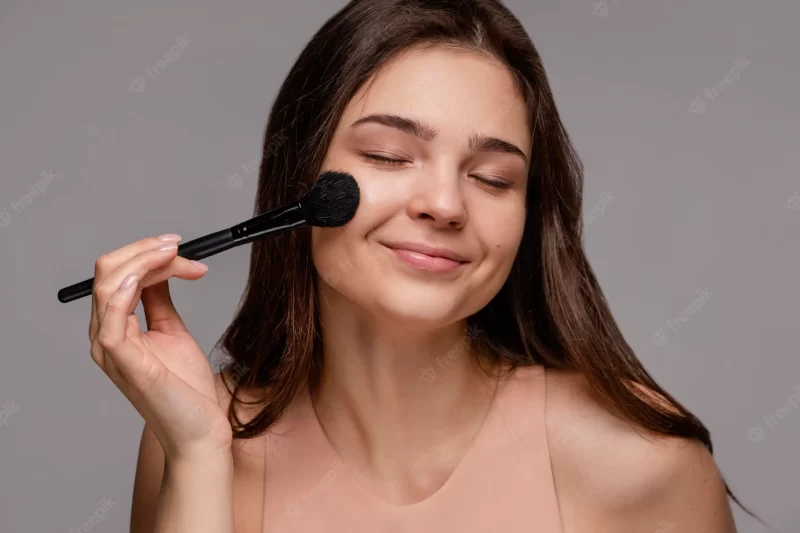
[{"x": 275, "y": 221}]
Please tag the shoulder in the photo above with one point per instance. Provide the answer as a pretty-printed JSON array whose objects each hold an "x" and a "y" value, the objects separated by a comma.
[
  {"x": 623, "y": 477},
  {"x": 588, "y": 438}
]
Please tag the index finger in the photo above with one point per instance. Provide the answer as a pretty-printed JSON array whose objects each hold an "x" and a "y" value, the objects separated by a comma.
[{"x": 115, "y": 258}]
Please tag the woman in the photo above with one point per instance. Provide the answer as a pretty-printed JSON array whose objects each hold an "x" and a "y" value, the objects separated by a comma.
[{"x": 446, "y": 360}]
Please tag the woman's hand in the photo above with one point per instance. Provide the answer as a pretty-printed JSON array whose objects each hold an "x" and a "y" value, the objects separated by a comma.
[{"x": 162, "y": 371}]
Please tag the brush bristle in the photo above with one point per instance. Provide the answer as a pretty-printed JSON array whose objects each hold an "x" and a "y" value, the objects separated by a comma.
[{"x": 333, "y": 200}]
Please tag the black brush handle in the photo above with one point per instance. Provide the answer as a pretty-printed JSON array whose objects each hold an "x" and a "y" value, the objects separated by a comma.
[{"x": 199, "y": 248}]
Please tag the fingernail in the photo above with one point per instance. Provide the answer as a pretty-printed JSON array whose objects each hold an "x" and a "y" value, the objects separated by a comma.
[
  {"x": 168, "y": 246},
  {"x": 201, "y": 266},
  {"x": 128, "y": 282},
  {"x": 170, "y": 237}
]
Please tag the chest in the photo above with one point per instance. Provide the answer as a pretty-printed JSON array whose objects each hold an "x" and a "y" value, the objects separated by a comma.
[{"x": 503, "y": 483}]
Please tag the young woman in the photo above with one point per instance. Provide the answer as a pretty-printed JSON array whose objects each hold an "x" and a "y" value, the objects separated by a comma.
[{"x": 445, "y": 361}]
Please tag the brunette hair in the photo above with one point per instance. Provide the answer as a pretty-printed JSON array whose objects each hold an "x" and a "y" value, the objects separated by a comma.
[{"x": 551, "y": 310}]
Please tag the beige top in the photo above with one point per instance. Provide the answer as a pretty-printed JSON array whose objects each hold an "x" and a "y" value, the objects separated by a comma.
[{"x": 504, "y": 483}]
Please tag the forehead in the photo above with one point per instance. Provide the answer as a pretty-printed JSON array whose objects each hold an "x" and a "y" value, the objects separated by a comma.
[{"x": 458, "y": 92}]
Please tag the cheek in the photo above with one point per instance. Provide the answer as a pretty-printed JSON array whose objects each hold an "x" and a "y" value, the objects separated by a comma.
[
  {"x": 381, "y": 195},
  {"x": 503, "y": 235},
  {"x": 339, "y": 253},
  {"x": 331, "y": 255}
]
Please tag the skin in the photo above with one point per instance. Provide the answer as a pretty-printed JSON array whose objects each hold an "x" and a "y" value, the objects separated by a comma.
[
  {"x": 385, "y": 325},
  {"x": 611, "y": 477},
  {"x": 186, "y": 444}
]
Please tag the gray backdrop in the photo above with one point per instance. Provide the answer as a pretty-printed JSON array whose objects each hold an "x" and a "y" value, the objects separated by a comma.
[{"x": 685, "y": 113}]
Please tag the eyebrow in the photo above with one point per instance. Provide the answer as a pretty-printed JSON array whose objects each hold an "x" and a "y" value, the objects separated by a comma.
[{"x": 417, "y": 128}]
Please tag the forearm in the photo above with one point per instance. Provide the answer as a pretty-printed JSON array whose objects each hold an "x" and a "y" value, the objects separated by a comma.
[{"x": 196, "y": 496}]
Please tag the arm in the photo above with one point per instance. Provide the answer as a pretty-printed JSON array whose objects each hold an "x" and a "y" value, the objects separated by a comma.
[
  {"x": 196, "y": 496},
  {"x": 182, "y": 495}
]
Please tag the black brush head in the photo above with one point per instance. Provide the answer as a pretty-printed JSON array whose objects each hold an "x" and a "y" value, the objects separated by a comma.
[{"x": 332, "y": 201}]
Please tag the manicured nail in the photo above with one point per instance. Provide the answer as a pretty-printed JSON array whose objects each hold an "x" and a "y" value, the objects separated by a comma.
[
  {"x": 201, "y": 266},
  {"x": 168, "y": 246},
  {"x": 128, "y": 282},
  {"x": 170, "y": 237}
]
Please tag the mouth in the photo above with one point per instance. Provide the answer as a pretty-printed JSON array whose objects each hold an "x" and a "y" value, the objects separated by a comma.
[{"x": 425, "y": 257}]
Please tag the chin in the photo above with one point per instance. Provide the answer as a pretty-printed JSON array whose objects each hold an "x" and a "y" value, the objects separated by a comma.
[{"x": 421, "y": 305}]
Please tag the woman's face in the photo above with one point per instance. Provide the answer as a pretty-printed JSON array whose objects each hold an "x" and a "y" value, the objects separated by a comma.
[{"x": 454, "y": 126}]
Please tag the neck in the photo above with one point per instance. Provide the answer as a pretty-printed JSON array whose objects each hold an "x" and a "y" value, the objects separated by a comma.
[{"x": 392, "y": 400}]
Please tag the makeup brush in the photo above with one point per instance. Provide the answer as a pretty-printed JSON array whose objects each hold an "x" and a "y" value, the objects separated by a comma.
[{"x": 331, "y": 202}]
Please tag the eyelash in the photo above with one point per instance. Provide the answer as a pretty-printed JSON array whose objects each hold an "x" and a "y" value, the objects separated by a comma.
[{"x": 395, "y": 162}]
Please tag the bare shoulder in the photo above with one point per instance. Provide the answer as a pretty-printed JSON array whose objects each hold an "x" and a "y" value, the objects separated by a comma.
[{"x": 613, "y": 476}]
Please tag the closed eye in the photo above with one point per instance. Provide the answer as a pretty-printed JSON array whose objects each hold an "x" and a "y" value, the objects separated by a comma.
[
  {"x": 493, "y": 183},
  {"x": 382, "y": 159},
  {"x": 396, "y": 162}
]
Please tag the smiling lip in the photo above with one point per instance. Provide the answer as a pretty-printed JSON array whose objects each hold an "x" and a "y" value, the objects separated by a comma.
[
  {"x": 426, "y": 257},
  {"x": 424, "y": 249}
]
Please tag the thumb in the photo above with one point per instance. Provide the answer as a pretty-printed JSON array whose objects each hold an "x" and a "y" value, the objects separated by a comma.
[{"x": 159, "y": 310}]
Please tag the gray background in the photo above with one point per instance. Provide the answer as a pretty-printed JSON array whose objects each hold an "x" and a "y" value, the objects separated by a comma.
[{"x": 677, "y": 200}]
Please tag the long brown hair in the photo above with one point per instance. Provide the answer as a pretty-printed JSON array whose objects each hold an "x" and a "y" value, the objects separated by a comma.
[{"x": 551, "y": 310}]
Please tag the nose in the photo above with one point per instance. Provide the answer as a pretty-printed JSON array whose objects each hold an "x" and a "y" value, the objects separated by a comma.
[{"x": 439, "y": 199}]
